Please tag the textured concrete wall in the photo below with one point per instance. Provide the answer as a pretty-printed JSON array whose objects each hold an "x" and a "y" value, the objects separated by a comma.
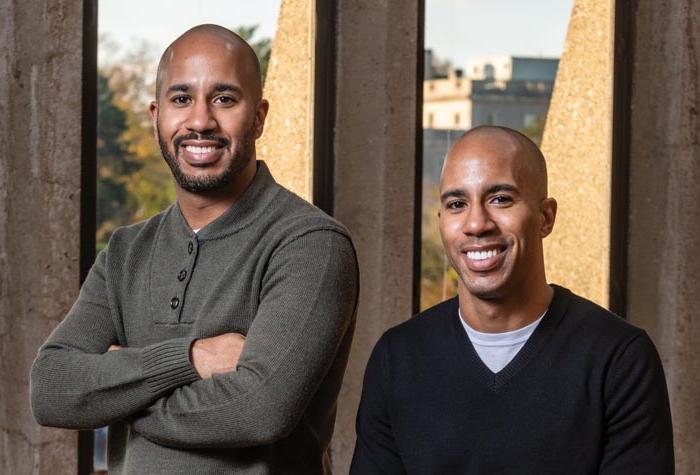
[
  {"x": 577, "y": 144},
  {"x": 287, "y": 144},
  {"x": 374, "y": 176},
  {"x": 664, "y": 234},
  {"x": 40, "y": 103}
]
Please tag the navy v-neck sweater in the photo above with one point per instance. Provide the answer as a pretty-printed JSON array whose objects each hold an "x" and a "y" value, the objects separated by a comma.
[{"x": 586, "y": 394}]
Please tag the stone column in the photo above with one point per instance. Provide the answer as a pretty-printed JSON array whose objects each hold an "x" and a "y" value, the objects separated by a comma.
[
  {"x": 577, "y": 145},
  {"x": 374, "y": 176},
  {"x": 40, "y": 143},
  {"x": 664, "y": 228},
  {"x": 287, "y": 144}
]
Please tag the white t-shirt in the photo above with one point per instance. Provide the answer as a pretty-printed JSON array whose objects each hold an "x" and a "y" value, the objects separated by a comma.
[{"x": 496, "y": 350}]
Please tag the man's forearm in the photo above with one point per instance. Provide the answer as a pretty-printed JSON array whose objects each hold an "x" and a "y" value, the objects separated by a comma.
[
  {"x": 240, "y": 409},
  {"x": 76, "y": 383},
  {"x": 72, "y": 388}
]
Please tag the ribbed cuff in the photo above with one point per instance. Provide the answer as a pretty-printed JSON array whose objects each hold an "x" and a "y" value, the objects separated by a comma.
[{"x": 167, "y": 365}]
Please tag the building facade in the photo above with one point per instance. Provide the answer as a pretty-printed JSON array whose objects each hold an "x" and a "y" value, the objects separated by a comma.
[{"x": 508, "y": 90}]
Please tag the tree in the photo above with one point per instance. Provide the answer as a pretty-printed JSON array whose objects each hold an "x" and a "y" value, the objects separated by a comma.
[
  {"x": 133, "y": 182},
  {"x": 111, "y": 167}
]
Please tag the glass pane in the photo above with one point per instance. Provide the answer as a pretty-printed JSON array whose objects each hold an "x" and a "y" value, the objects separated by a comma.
[{"x": 487, "y": 62}]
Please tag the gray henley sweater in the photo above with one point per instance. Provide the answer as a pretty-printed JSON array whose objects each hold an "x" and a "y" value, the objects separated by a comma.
[{"x": 273, "y": 268}]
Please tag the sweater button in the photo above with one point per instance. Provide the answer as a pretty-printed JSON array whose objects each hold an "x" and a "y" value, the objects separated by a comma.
[
  {"x": 190, "y": 247},
  {"x": 174, "y": 303},
  {"x": 181, "y": 276}
]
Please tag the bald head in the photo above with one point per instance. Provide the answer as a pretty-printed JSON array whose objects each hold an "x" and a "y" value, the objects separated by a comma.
[
  {"x": 213, "y": 38},
  {"x": 506, "y": 144}
]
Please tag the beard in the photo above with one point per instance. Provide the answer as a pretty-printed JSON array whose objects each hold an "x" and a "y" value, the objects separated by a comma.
[{"x": 241, "y": 156}]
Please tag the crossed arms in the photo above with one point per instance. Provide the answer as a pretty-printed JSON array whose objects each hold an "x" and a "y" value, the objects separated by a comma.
[
  {"x": 214, "y": 355},
  {"x": 306, "y": 308}
]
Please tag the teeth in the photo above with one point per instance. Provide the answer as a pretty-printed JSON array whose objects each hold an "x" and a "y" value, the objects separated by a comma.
[
  {"x": 481, "y": 255},
  {"x": 193, "y": 149}
]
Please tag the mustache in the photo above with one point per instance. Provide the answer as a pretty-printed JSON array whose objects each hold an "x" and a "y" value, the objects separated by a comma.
[{"x": 221, "y": 141}]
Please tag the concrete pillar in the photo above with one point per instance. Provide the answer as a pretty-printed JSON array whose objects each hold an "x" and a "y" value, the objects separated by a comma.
[
  {"x": 40, "y": 143},
  {"x": 287, "y": 144},
  {"x": 577, "y": 144},
  {"x": 374, "y": 176},
  {"x": 664, "y": 227}
]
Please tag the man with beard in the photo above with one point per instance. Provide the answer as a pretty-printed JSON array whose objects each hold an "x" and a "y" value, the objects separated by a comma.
[
  {"x": 513, "y": 375},
  {"x": 211, "y": 338}
]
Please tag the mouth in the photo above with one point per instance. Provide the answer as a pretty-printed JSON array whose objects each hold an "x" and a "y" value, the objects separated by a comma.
[
  {"x": 198, "y": 152},
  {"x": 484, "y": 258},
  {"x": 194, "y": 149}
]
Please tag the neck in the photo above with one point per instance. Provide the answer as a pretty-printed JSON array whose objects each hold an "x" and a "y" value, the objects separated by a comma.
[
  {"x": 200, "y": 209},
  {"x": 498, "y": 315}
]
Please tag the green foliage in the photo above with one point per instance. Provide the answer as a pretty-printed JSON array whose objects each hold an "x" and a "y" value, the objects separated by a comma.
[
  {"x": 133, "y": 182},
  {"x": 111, "y": 163}
]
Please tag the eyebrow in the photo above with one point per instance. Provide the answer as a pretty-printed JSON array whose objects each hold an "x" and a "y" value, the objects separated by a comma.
[
  {"x": 501, "y": 187},
  {"x": 223, "y": 87},
  {"x": 178, "y": 88},
  {"x": 219, "y": 87},
  {"x": 453, "y": 193},
  {"x": 459, "y": 193}
]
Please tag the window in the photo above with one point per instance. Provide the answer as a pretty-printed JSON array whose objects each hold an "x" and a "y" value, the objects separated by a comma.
[
  {"x": 455, "y": 32},
  {"x": 133, "y": 181}
]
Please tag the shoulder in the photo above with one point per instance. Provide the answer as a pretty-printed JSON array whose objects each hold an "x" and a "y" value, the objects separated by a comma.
[
  {"x": 135, "y": 238},
  {"x": 292, "y": 218},
  {"x": 423, "y": 331},
  {"x": 587, "y": 327},
  {"x": 582, "y": 313},
  {"x": 298, "y": 214}
]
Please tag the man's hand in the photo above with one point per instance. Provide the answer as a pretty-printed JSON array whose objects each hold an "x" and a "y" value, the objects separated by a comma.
[{"x": 217, "y": 354}]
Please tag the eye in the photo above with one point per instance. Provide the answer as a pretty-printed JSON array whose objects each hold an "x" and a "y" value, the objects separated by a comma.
[
  {"x": 501, "y": 200},
  {"x": 455, "y": 205},
  {"x": 180, "y": 100},
  {"x": 225, "y": 100}
]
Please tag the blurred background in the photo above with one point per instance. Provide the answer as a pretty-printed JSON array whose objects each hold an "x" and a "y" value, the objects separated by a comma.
[{"x": 366, "y": 98}]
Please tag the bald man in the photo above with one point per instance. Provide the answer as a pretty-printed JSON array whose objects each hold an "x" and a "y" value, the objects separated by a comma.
[
  {"x": 512, "y": 376},
  {"x": 213, "y": 337}
]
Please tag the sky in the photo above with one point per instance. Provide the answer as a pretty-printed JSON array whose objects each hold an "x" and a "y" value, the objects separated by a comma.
[
  {"x": 462, "y": 29},
  {"x": 454, "y": 29},
  {"x": 159, "y": 22}
]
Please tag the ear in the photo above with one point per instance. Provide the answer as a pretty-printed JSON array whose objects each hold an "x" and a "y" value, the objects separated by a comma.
[
  {"x": 260, "y": 114},
  {"x": 548, "y": 209},
  {"x": 153, "y": 109}
]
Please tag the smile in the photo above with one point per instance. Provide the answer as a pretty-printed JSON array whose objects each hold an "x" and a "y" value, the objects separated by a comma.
[
  {"x": 482, "y": 255},
  {"x": 195, "y": 149},
  {"x": 201, "y": 153},
  {"x": 484, "y": 258}
]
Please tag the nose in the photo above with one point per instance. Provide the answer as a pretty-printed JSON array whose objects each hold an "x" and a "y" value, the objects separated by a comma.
[
  {"x": 201, "y": 119},
  {"x": 477, "y": 221}
]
